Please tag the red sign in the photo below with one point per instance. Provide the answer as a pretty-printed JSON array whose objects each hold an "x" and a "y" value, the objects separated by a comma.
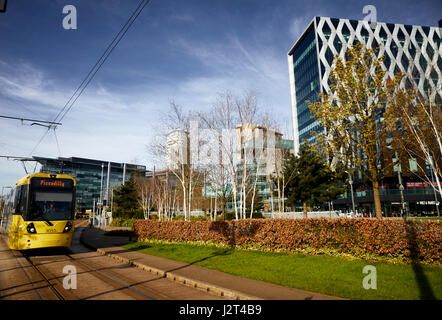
[{"x": 417, "y": 184}]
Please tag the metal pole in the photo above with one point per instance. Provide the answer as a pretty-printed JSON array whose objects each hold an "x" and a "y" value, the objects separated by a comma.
[
  {"x": 107, "y": 190},
  {"x": 401, "y": 189},
  {"x": 101, "y": 196},
  {"x": 154, "y": 187},
  {"x": 112, "y": 199},
  {"x": 93, "y": 213},
  {"x": 3, "y": 208},
  {"x": 101, "y": 183},
  {"x": 124, "y": 173},
  {"x": 108, "y": 181},
  {"x": 167, "y": 191},
  {"x": 434, "y": 191},
  {"x": 352, "y": 197}
]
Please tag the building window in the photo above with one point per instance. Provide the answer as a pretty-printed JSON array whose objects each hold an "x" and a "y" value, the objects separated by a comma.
[{"x": 413, "y": 164}]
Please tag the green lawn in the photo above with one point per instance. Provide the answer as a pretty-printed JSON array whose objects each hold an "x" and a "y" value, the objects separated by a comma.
[
  {"x": 425, "y": 218},
  {"x": 325, "y": 274}
]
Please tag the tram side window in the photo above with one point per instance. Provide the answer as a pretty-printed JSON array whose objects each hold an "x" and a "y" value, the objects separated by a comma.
[
  {"x": 10, "y": 208},
  {"x": 17, "y": 193},
  {"x": 23, "y": 199},
  {"x": 20, "y": 200}
]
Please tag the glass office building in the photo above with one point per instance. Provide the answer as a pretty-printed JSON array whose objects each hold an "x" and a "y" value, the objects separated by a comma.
[
  {"x": 91, "y": 176},
  {"x": 412, "y": 50},
  {"x": 304, "y": 70}
]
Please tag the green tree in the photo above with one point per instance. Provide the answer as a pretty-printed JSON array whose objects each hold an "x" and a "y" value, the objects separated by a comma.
[
  {"x": 125, "y": 198},
  {"x": 311, "y": 180},
  {"x": 351, "y": 115}
]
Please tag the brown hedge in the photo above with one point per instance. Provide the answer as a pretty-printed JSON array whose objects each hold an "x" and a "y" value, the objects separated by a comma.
[{"x": 412, "y": 241}]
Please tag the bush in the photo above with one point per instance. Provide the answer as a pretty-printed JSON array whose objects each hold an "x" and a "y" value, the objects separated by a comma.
[
  {"x": 138, "y": 214},
  {"x": 122, "y": 222},
  {"x": 153, "y": 216},
  {"x": 230, "y": 215},
  {"x": 411, "y": 241}
]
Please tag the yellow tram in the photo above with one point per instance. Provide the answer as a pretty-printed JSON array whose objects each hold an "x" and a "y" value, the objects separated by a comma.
[{"x": 39, "y": 212}]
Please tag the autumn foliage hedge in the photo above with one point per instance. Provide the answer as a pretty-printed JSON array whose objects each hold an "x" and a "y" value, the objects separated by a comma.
[{"x": 411, "y": 241}]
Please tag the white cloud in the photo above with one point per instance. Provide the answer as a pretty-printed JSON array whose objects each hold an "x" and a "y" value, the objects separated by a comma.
[
  {"x": 184, "y": 17},
  {"x": 236, "y": 65},
  {"x": 117, "y": 125},
  {"x": 101, "y": 125},
  {"x": 298, "y": 25}
]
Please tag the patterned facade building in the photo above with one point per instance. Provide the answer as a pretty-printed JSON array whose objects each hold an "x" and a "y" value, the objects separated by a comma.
[{"x": 412, "y": 50}]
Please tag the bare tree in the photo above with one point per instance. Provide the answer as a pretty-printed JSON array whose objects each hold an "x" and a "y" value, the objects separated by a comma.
[
  {"x": 419, "y": 137},
  {"x": 145, "y": 195},
  {"x": 248, "y": 115},
  {"x": 222, "y": 171},
  {"x": 172, "y": 147},
  {"x": 216, "y": 150}
]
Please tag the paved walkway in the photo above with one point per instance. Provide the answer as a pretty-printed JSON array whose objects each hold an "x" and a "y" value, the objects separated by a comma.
[{"x": 218, "y": 282}]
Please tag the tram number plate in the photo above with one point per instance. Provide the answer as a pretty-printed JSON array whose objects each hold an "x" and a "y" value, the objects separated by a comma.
[{"x": 50, "y": 230}]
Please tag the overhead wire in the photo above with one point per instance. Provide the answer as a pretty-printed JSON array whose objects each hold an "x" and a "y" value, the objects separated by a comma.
[
  {"x": 101, "y": 57},
  {"x": 116, "y": 40},
  {"x": 104, "y": 60}
]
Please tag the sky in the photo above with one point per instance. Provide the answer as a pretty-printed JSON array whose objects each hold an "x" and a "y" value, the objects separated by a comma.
[{"x": 186, "y": 51}]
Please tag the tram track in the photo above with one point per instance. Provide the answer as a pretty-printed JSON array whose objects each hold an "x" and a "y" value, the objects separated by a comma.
[
  {"x": 49, "y": 262},
  {"x": 79, "y": 273},
  {"x": 55, "y": 281},
  {"x": 57, "y": 292}
]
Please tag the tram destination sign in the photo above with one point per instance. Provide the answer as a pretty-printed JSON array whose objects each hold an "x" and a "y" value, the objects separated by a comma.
[{"x": 52, "y": 183}]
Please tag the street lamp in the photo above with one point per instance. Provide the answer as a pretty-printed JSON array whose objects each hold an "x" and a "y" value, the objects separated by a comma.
[
  {"x": 434, "y": 191},
  {"x": 350, "y": 181},
  {"x": 101, "y": 197},
  {"x": 101, "y": 183},
  {"x": 401, "y": 189}
]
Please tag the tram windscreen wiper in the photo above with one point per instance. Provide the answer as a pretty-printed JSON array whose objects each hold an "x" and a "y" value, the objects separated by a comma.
[
  {"x": 41, "y": 218},
  {"x": 49, "y": 223}
]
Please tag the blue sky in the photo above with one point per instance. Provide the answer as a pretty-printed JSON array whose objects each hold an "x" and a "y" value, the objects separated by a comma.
[{"x": 188, "y": 51}]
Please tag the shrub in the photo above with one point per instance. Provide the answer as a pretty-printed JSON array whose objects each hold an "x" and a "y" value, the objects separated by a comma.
[
  {"x": 138, "y": 214},
  {"x": 122, "y": 222},
  {"x": 411, "y": 241}
]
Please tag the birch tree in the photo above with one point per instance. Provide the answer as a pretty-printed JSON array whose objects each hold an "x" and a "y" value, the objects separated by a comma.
[
  {"x": 415, "y": 125},
  {"x": 234, "y": 173},
  {"x": 220, "y": 121},
  {"x": 145, "y": 195}
]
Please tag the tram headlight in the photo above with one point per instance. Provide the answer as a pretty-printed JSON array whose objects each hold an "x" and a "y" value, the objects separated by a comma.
[
  {"x": 31, "y": 228},
  {"x": 68, "y": 227}
]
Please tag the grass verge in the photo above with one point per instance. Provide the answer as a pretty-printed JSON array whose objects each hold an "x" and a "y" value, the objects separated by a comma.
[{"x": 322, "y": 273}]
